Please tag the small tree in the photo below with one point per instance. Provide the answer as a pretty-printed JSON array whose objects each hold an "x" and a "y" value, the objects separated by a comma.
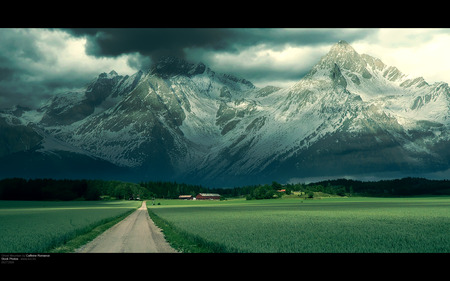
[
  {"x": 288, "y": 190},
  {"x": 276, "y": 185},
  {"x": 340, "y": 191}
]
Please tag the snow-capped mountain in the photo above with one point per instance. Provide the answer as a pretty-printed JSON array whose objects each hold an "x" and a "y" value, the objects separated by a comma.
[{"x": 350, "y": 115}]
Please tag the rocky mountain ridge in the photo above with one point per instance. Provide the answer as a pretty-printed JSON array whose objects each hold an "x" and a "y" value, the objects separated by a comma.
[{"x": 351, "y": 115}]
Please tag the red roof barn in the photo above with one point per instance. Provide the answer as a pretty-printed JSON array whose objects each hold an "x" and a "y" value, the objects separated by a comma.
[{"x": 207, "y": 196}]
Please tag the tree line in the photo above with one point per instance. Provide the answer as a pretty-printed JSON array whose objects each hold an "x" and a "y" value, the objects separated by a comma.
[
  {"x": 397, "y": 187},
  {"x": 67, "y": 190},
  {"x": 171, "y": 190},
  {"x": 344, "y": 187},
  {"x": 340, "y": 187},
  {"x": 52, "y": 189}
]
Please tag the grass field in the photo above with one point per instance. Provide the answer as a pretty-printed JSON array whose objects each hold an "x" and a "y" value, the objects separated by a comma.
[
  {"x": 331, "y": 225},
  {"x": 38, "y": 226}
]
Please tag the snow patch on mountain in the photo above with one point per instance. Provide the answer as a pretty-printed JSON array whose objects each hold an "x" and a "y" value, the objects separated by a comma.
[{"x": 350, "y": 109}]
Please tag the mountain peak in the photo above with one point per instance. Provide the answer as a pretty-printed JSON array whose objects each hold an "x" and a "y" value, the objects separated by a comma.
[
  {"x": 343, "y": 43},
  {"x": 342, "y": 48},
  {"x": 109, "y": 75},
  {"x": 343, "y": 55}
]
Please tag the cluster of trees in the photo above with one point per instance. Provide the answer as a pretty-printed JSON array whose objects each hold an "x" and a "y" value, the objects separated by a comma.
[
  {"x": 398, "y": 187},
  {"x": 45, "y": 189},
  {"x": 51, "y": 189},
  {"x": 66, "y": 190},
  {"x": 276, "y": 190},
  {"x": 119, "y": 190},
  {"x": 265, "y": 191},
  {"x": 343, "y": 187},
  {"x": 171, "y": 190}
]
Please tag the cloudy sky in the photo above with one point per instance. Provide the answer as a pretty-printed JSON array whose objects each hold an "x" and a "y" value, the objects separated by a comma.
[{"x": 38, "y": 63}]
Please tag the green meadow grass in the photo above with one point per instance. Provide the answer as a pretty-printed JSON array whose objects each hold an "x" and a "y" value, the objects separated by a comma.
[
  {"x": 332, "y": 225},
  {"x": 39, "y": 226}
]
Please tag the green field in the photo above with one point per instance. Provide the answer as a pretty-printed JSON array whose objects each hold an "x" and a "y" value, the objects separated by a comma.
[
  {"x": 329, "y": 225},
  {"x": 38, "y": 226}
]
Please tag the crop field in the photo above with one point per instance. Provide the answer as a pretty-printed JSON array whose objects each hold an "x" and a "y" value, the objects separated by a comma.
[
  {"x": 329, "y": 225},
  {"x": 36, "y": 226}
]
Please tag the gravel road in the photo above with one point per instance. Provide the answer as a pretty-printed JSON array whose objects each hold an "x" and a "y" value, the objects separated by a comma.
[{"x": 135, "y": 234}]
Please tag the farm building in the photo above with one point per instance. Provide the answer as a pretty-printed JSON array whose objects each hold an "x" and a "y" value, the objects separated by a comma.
[
  {"x": 207, "y": 196},
  {"x": 186, "y": 197}
]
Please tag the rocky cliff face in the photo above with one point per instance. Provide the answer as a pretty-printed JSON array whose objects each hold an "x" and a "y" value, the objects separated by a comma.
[{"x": 351, "y": 114}]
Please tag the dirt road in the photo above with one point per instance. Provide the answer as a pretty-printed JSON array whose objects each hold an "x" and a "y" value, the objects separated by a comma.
[{"x": 135, "y": 234}]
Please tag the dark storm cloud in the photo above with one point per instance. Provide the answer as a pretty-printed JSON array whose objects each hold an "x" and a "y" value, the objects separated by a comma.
[
  {"x": 200, "y": 45},
  {"x": 32, "y": 69},
  {"x": 157, "y": 42},
  {"x": 154, "y": 42},
  {"x": 16, "y": 51}
]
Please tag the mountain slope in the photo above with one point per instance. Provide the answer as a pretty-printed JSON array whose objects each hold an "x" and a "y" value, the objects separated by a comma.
[
  {"x": 350, "y": 115},
  {"x": 338, "y": 120}
]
